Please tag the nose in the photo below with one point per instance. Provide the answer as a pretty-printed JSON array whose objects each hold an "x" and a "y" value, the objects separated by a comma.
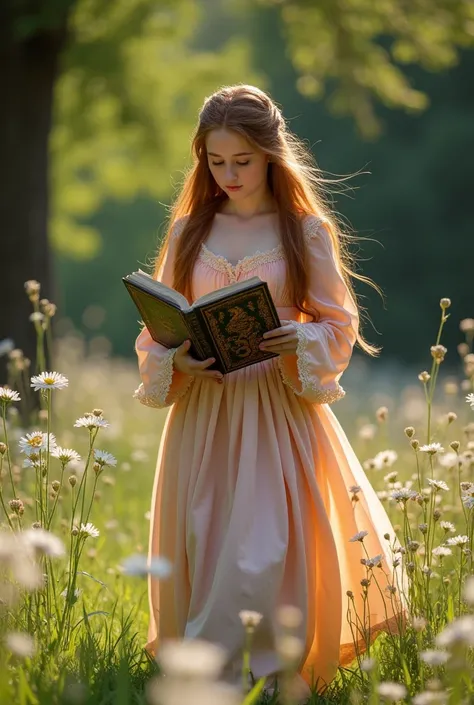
[{"x": 230, "y": 173}]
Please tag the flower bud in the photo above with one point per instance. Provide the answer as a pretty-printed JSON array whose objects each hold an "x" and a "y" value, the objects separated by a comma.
[
  {"x": 409, "y": 431},
  {"x": 455, "y": 445},
  {"x": 55, "y": 485},
  {"x": 415, "y": 444},
  {"x": 438, "y": 353},
  {"x": 445, "y": 303},
  {"x": 452, "y": 417},
  {"x": 424, "y": 377},
  {"x": 3, "y": 448}
]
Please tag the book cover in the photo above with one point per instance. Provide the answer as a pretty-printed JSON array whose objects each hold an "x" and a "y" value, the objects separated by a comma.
[{"x": 227, "y": 324}]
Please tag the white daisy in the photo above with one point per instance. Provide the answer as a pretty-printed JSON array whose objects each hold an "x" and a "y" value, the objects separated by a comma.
[
  {"x": 90, "y": 421},
  {"x": 66, "y": 455},
  {"x": 459, "y": 540},
  {"x": 392, "y": 691},
  {"x": 448, "y": 460},
  {"x": 459, "y": 631},
  {"x": 44, "y": 542},
  {"x": 438, "y": 484},
  {"x": 385, "y": 459},
  {"x": 434, "y": 658},
  {"x": 447, "y": 526},
  {"x": 8, "y": 395},
  {"x": 139, "y": 565},
  {"x": 250, "y": 619},
  {"x": 470, "y": 400},
  {"x": 360, "y": 536},
  {"x": 432, "y": 448},
  {"x": 89, "y": 530},
  {"x": 403, "y": 494},
  {"x": 104, "y": 458},
  {"x": 49, "y": 380},
  {"x": 442, "y": 551},
  {"x": 37, "y": 442},
  {"x": 20, "y": 644}
]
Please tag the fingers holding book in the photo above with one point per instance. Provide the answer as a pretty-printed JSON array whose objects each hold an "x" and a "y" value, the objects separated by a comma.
[{"x": 184, "y": 362}]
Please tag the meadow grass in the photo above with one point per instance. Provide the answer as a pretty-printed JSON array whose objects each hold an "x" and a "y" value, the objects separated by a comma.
[{"x": 73, "y": 621}]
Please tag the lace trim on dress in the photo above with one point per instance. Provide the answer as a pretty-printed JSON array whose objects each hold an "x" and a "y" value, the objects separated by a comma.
[
  {"x": 308, "y": 382},
  {"x": 251, "y": 262},
  {"x": 157, "y": 395},
  {"x": 244, "y": 265}
]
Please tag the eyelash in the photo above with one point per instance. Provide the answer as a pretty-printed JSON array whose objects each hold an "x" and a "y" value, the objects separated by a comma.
[{"x": 238, "y": 163}]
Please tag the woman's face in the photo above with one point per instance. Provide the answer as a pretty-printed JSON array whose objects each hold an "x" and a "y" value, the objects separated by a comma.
[{"x": 239, "y": 168}]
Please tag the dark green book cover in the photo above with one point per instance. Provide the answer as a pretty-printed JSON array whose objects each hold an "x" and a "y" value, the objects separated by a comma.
[{"x": 227, "y": 324}]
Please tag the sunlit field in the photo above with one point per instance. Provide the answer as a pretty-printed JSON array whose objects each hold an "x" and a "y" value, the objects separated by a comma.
[{"x": 74, "y": 515}]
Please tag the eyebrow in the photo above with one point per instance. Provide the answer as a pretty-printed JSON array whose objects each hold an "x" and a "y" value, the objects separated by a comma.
[{"x": 239, "y": 154}]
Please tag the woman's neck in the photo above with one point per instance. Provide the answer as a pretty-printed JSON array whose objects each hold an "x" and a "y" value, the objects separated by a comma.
[{"x": 249, "y": 208}]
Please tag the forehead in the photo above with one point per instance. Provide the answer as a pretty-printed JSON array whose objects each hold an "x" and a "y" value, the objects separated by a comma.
[{"x": 227, "y": 143}]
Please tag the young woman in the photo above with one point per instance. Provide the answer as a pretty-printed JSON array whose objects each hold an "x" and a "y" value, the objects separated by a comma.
[{"x": 251, "y": 499}]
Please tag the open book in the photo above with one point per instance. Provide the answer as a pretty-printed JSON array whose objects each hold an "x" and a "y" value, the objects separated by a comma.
[{"x": 227, "y": 324}]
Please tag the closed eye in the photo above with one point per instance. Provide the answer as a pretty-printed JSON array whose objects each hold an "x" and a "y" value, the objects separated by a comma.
[{"x": 238, "y": 163}]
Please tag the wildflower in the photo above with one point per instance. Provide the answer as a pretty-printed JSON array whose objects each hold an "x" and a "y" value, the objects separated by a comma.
[
  {"x": 432, "y": 448},
  {"x": 445, "y": 303},
  {"x": 355, "y": 489},
  {"x": 37, "y": 442},
  {"x": 376, "y": 561},
  {"x": 381, "y": 414},
  {"x": 367, "y": 432},
  {"x": 423, "y": 528},
  {"x": 403, "y": 494},
  {"x": 250, "y": 619},
  {"x": 424, "y": 377},
  {"x": 470, "y": 400},
  {"x": 140, "y": 565},
  {"x": 89, "y": 530},
  {"x": 431, "y": 697},
  {"x": 459, "y": 631},
  {"x": 447, "y": 526},
  {"x": 413, "y": 546},
  {"x": 459, "y": 540},
  {"x": 20, "y": 644},
  {"x": 191, "y": 659},
  {"x": 368, "y": 664},
  {"x": 72, "y": 480},
  {"x": 441, "y": 551},
  {"x": 437, "y": 513},
  {"x": 90, "y": 421},
  {"x": 469, "y": 590},
  {"x": 289, "y": 649},
  {"x": 103, "y": 458},
  {"x": 409, "y": 431},
  {"x": 289, "y": 616},
  {"x": 8, "y": 395},
  {"x": 451, "y": 417},
  {"x": 448, "y": 460},
  {"x": 391, "y": 589},
  {"x": 17, "y": 506},
  {"x": 3, "y": 448},
  {"x": 392, "y": 691},
  {"x": 438, "y": 353},
  {"x": 66, "y": 455},
  {"x": 438, "y": 485},
  {"x": 468, "y": 501},
  {"x": 391, "y": 477},
  {"x": 434, "y": 658},
  {"x": 49, "y": 380},
  {"x": 359, "y": 536},
  {"x": 467, "y": 325},
  {"x": 385, "y": 459},
  {"x": 44, "y": 543},
  {"x": 415, "y": 444}
]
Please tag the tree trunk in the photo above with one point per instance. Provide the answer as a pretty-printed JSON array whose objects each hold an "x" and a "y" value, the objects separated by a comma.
[{"x": 28, "y": 69}]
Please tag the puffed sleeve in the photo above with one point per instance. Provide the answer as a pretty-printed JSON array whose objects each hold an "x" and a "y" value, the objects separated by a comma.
[
  {"x": 161, "y": 383},
  {"x": 324, "y": 346}
]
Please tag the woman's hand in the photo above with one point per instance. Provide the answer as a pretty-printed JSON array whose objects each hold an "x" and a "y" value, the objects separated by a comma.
[
  {"x": 187, "y": 364},
  {"x": 283, "y": 341}
]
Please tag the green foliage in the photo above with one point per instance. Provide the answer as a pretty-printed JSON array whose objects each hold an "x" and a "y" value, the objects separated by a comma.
[
  {"x": 125, "y": 104},
  {"x": 358, "y": 49}
]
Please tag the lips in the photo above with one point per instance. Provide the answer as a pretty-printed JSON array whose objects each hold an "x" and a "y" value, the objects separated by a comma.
[{"x": 233, "y": 188}]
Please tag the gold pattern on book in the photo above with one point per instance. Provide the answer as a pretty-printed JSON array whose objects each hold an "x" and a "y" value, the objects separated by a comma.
[{"x": 238, "y": 330}]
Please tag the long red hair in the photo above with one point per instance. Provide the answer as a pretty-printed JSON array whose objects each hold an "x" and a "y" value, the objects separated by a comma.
[{"x": 295, "y": 182}]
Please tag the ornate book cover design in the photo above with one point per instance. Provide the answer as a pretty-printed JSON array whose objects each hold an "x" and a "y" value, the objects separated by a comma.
[
  {"x": 237, "y": 325},
  {"x": 230, "y": 327}
]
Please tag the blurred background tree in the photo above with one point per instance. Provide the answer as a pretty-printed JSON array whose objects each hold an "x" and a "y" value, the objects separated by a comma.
[{"x": 129, "y": 77}]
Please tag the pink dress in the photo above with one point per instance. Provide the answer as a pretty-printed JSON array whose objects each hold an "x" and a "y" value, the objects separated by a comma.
[{"x": 251, "y": 500}]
